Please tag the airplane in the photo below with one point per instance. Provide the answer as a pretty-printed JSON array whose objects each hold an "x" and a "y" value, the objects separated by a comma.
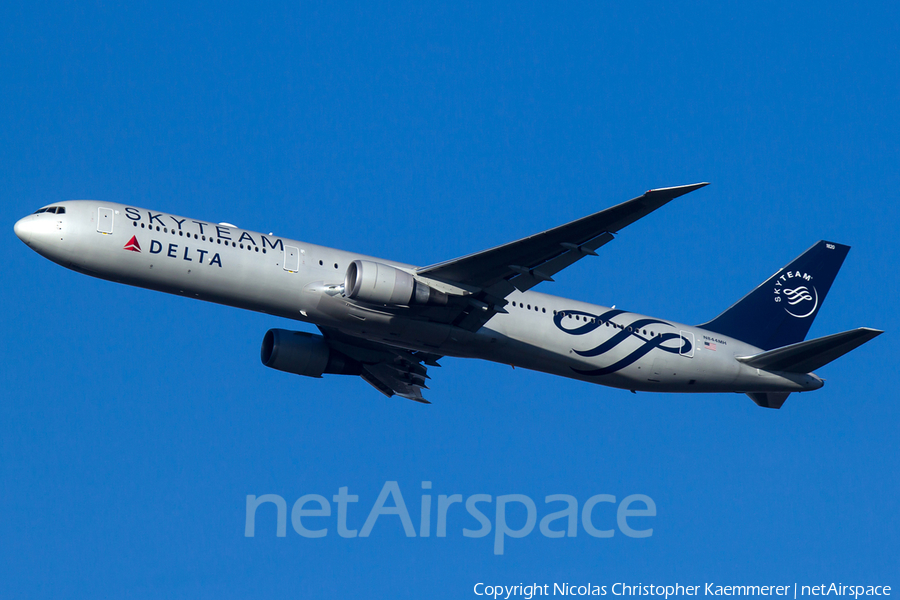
[{"x": 387, "y": 321}]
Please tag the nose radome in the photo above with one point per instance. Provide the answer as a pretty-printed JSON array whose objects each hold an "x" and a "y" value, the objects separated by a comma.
[
  {"x": 21, "y": 228},
  {"x": 33, "y": 229}
]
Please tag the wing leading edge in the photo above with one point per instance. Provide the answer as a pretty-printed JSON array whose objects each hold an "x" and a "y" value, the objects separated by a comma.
[{"x": 528, "y": 261}]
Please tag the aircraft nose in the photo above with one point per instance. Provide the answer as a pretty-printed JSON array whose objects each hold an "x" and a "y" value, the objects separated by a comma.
[
  {"x": 21, "y": 228},
  {"x": 32, "y": 229}
]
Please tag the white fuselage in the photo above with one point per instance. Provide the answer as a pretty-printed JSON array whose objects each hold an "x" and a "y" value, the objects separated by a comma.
[{"x": 278, "y": 276}]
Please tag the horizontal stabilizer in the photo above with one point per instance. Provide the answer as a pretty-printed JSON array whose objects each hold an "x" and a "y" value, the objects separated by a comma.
[{"x": 805, "y": 357}]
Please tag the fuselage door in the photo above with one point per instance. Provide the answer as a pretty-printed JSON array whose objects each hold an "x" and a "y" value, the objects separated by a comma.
[
  {"x": 291, "y": 258},
  {"x": 105, "y": 220},
  {"x": 687, "y": 344}
]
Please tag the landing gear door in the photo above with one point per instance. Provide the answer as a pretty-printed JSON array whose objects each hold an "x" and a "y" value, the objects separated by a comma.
[
  {"x": 105, "y": 220},
  {"x": 687, "y": 344},
  {"x": 291, "y": 258}
]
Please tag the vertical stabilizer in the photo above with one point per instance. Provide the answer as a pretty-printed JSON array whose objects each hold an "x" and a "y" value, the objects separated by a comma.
[{"x": 781, "y": 310}]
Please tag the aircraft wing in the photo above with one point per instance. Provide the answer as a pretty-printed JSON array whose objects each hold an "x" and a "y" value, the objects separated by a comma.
[
  {"x": 390, "y": 370},
  {"x": 528, "y": 261},
  {"x": 493, "y": 274}
]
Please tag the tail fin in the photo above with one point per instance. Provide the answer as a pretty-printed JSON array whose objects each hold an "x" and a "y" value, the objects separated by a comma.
[{"x": 781, "y": 310}]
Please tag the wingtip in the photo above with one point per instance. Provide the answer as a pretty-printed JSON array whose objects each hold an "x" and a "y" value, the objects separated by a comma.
[
  {"x": 679, "y": 190},
  {"x": 687, "y": 186}
]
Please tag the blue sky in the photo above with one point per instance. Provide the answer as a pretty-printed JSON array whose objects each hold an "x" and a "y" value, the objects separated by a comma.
[{"x": 134, "y": 424}]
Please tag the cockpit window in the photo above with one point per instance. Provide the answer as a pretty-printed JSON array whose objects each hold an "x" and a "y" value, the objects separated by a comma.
[{"x": 59, "y": 210}]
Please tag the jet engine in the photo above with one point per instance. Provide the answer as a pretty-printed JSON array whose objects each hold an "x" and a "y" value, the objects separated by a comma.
[
  {"x": 377, "y": 283},
  {"x": 304, "y": 354}
]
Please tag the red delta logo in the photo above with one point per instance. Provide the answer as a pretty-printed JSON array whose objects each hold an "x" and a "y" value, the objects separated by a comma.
[{"x": 132, "y": 245}]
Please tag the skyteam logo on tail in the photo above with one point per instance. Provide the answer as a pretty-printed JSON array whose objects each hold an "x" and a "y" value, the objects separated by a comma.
[{"x": 797, "y": 294}]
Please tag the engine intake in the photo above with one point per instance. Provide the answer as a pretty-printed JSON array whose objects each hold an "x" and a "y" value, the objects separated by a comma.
[
  {"x": 304, "y": 354},
  {"x": 377, "y": 283}
]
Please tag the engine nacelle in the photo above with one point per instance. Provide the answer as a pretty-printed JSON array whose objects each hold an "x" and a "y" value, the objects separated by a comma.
[
  {"x": 304, "y": 354},
  {"x": 377, "y": 283}
]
